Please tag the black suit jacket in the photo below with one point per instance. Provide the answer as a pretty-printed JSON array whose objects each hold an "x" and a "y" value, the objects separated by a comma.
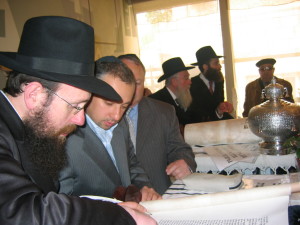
[
  {"x": 165, "y": 96},
  {"x": 29, "y": 197},
  {"x": 204, "y": 105}
]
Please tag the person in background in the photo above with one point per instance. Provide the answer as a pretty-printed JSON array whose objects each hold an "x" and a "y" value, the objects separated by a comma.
[
  {"x": 3, "y": 76},
  {"x": 101, "y": 154},
  {"x": 147, "y": 92},
  {"x": 159, "y": 146},
  {"x": 42, "y": 102},
  {"x": 207, "y": 89},
  {"x": 177, "y": 89},
  {"x": 253, "y": 92}
]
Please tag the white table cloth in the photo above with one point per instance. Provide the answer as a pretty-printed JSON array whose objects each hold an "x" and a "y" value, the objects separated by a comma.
[{"x": 267, "y": 164}]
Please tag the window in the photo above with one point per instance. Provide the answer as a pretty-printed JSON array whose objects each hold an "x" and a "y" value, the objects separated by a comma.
[
  {"x": 176, "y": 32},
  {"x": 259, "y": 29}
]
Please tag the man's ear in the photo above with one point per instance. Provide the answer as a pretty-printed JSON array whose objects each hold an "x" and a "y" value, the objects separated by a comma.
[
  {"x": 34, "y": 95},
  {"x": 174, "y": 80},
  {"x": 205, "y": 67}
]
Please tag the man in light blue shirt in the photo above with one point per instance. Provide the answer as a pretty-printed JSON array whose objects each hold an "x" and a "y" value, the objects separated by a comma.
[{"x": 101, "y": 154}]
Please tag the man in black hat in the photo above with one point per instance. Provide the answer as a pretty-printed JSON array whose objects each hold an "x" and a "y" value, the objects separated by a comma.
[
  {"x": 42, "y": 102},
  {"x": 254, "y": 89},
  {"x": 207, "y": 89},
  {"x": 177, "y": 88}
]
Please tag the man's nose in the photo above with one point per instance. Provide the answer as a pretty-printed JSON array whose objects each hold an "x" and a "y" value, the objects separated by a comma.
[
  {"x": 117, "y": 114},
  {"x": 79, "y": 118}
]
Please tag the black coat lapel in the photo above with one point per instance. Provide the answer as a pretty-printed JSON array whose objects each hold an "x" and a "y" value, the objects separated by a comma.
[{"x": 15, "y": 125}]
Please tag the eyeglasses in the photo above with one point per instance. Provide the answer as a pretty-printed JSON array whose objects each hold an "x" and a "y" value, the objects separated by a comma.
[
  {"x": 266, "y": 68},
  {"x": 77, "y": 108}
]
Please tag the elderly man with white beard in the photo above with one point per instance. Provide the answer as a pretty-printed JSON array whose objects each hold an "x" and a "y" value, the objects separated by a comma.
[{"x": 177, "y": 88}]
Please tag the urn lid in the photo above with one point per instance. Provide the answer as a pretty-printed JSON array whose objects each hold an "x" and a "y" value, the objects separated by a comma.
[{"x": 274, "y": 90}]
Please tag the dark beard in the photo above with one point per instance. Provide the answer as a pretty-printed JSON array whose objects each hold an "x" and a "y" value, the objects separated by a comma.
[
  {"x": 214, "y": 75},
  {"x": 46, "y": 150}
]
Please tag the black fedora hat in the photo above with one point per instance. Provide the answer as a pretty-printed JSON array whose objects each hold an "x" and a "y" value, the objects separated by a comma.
[
  {"x": 172, "y": 66},
  {"x": 58, "y": 49},
  {"x": 204, "y": 54},
  {"x": 266, "y": 61}
]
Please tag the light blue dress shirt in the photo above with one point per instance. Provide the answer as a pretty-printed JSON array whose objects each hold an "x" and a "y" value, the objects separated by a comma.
[{"x": 105, "y": 136}]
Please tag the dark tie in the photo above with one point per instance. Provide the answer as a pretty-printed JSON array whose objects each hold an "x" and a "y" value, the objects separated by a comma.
[
  {"x": 131, "y": 128},
  {"x": 211, "y": 87}
]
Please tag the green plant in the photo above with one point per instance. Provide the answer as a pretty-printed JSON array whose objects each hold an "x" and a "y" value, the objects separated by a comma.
[{"x": 293, "y": 143}]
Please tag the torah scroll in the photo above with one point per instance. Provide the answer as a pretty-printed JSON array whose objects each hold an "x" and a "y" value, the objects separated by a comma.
[{"x": 231, "y": 131}]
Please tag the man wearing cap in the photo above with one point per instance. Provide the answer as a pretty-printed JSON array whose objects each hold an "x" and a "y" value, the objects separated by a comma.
[
  {"x": 254, "y": 89},
  {"x": 51, "y": 82},
  {"x": 177, "y": 88},
  {"x": 103, "y": 147},
  {"x": 160, "y": 147},
  {"x": 207, "y": 89}
]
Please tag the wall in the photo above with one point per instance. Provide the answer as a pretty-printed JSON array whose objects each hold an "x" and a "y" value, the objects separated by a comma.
[{"x": 110, "y": 23}]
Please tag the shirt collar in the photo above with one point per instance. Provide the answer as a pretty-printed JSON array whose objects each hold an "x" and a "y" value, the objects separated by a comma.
[
  {"x": 96, "y": 129},
  {"x": 172, "y": 94},
  {"x": 10, "y": 103},
  {"x": 132, "y": 111},
  {"x": 205, "y": 80}
]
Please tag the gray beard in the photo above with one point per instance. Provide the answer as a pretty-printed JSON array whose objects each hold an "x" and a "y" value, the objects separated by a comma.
[
  {"x": 184, "y": 98},
  {"x": 46, "y": 150}
]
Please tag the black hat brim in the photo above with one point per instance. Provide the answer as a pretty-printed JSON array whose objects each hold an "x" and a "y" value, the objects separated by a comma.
[
  {"x": 86, "y": 82},
  {"x": 196, "y": 63},
  {"x": 165, "y": 76}
]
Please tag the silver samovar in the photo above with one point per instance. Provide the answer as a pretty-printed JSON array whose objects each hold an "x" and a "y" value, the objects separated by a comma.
[{"x": 274, "y": 120}]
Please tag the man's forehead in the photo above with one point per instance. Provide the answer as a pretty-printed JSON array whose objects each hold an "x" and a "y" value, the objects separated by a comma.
[
  {"x": 214, "y": 60},
  {"x": 134, "y": 66},
  {"x": 266, "y": 65},
  {"x": 183, "y": 73}
]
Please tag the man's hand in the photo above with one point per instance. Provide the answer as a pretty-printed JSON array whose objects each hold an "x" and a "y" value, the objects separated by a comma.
[
  {"x": 149, "y": 194},
  {"x": 224, "y": 107},
  {"x": 178, "y": 169},
  {"x": 138, "y": 213}
]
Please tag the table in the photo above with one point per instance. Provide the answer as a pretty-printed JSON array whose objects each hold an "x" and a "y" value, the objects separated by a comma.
[
  {"x": 266, "y": 164},
  {"x": 178, "y": 189}
]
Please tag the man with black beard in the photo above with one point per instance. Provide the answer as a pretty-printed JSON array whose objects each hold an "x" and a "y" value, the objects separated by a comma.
[
  {"x": 51, "y": 81},
  {"x": 207, "y": 89},
  {"x": 46, "y": 149},
  {"x": 177, "y": 89}
]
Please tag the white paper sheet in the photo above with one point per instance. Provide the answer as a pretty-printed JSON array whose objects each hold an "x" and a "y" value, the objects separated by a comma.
[{"x": 227, "y": 155}]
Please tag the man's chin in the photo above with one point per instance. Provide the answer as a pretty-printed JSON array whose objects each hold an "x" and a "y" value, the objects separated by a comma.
[
  {"x": 62, "y": 137},
  {"x": 66, "y": 131}
]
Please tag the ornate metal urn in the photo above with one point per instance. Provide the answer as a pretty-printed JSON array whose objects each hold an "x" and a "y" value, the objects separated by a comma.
[{"x": 274, "y": 120}]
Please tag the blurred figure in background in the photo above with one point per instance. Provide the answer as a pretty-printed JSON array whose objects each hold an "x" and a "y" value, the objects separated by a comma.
[
  {"x": 253, "y": 95},
  {"x": 177, "y": 89},
  {"x": 207, "y": 89}
]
